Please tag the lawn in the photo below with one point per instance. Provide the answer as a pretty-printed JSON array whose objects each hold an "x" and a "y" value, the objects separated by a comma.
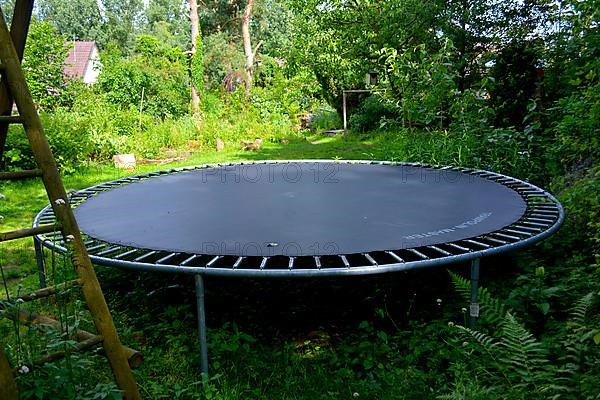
[{"x": 376, "y": 337}]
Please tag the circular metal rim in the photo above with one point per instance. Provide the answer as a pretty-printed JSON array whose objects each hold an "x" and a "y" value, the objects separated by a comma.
[{"x": 543, "y": 216}]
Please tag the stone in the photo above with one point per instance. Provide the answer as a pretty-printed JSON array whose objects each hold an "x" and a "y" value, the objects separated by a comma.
[
  {"x": 220, "y": 145},
  {"x": 252, "y": 145},
  {"x": 124, "y": 161}
]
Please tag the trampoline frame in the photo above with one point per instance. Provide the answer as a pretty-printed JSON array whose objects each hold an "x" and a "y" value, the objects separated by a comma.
[{"x": 542, "y": 217}]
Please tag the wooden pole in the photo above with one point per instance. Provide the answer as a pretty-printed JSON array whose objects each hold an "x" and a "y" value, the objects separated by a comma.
[
  {"x": 344, "y": 111},
  {"x": 8, "y": 386},
  {"x": 18, "y": 31},
  {"x": 62, "y": 210},
  {"x": 134, "y": 357}
]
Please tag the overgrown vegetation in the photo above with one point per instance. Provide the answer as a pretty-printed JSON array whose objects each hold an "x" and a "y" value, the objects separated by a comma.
[{"x": 505, "y": 86}]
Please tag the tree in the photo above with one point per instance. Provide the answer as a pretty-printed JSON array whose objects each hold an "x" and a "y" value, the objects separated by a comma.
[
  {"x": 75, "y": 20},
  {"x": 167, "y": 19},
  {"x": 196, "y": 55},
  {"x": 122, "y": 20},
  {"x": 248, "y": 51},
  {"x": 341, "y": 40},
  {"x": 43, "y": 63}
]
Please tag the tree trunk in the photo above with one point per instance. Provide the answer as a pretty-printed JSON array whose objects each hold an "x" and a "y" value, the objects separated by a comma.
[
  {"x": 195, "y": 33},
  {"x": 248, "y": 45}
]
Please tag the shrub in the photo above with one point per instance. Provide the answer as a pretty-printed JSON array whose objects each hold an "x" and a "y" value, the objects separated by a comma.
[{"x": 374, "y": 111}]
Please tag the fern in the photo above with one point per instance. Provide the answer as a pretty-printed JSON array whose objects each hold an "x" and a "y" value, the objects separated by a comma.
[
  {"x": 492, "y": 311},
  {"x": 516, "y": 364},
  {"x": 577, "y": 359},
  {"x": 523, "y": 354},
  {"x": 580, "y": 311}
]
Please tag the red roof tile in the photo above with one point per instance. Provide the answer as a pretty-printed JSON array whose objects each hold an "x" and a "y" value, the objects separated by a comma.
[{"x": 78, "y": 59}]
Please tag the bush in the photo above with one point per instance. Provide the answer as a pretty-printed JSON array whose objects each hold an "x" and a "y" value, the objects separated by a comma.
[
  {"x": 159, "y": 72},
  {"x": 372, "y": 113}
]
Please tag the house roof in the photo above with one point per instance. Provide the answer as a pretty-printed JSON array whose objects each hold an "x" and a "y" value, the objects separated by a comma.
[{"x": 78, "y": 58}]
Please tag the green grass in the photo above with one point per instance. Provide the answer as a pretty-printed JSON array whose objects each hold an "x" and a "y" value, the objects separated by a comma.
[
  {"x": 283, "y": 361},
  {"x": 382, "y": 337}
]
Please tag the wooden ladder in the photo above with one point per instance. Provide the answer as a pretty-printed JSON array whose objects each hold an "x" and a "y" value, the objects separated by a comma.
[{"x": 14, "y": 88}]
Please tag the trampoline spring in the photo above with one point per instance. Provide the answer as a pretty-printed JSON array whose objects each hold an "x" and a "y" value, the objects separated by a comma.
[
  {"x": 125, "y": 254},
  {"x": 418, "y": 254},
  {"x": 502, "y": 235},
  {"x": 108, "y": 251},
  {"x": 545, "y": 206},
  {"x": 441, "y": 251},
  {"x": 550, "y": 217},
  {"x": 238, "y": 262},
  {"x": 370, "y": 259},
  {"x": 536, "y": 224},
  {"x": 263, "y": 263},
  {"x": 532, "y": 193},
  {"x": 188, "y": 260},
  {"x": 317, "y": 261},
  {"x": 517, "y": 232},
  {"x": 546, "y": 220},
  {"x": 53, "y": 235},
  {"x": 213, "y": 261},
  {"x": 144, "y": 256},
  {"x": 546, "y": 213},
  {"x": 395, "y": 256},
  {"x": 528, "y": 228},
  {"x": 345, "y": 261},
  {"x": 476, "y": 243},
  {"x": 89, "y": 242},
  {"x": 491, "y": 239},
  {"x": 97, "y": 247},
  {"x": 166, "y": 258},
  {"x": 458, "y": 247},
  {"x": 291, "y": 263}
]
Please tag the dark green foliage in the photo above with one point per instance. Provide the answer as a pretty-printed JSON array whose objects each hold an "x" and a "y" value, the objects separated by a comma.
[
  {"x": 43, "y": 61},
  {"x": 374, "y": 113},
  {"x": 515, "y": 76},
  {"x": 221, "y": 57},
  {"x": 160, "y": 71},
  {"x": 74, "y": 20},
  {"x": 512, "y": 363}
]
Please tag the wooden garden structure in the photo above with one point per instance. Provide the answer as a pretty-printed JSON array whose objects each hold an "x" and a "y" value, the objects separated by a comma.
[{"x": 14, "y": 90}]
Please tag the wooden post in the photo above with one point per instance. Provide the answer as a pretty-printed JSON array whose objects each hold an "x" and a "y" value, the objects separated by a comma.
[
  {"x": 18, "y": 32},
  {"x": 344, "y": 111},
  {"x": 60, "y": 204},
  {"x": 8, "y": 386}
]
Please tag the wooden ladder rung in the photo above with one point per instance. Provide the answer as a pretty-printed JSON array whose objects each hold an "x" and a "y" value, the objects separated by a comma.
[
  {"x": 23, "y": 233},
  {"x": 78, "y": 347},
  {"x": 134, "y": 357},
  {"x": 17, "y": 175},
  {"x": 11, "y": 119},
  {"x": 48, "y": 291}
]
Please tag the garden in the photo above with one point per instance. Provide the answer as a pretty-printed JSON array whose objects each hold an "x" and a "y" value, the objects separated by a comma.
[{"x": 509, "y": 87}]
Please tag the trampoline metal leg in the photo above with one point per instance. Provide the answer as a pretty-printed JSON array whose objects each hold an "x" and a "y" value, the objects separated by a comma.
[
  {"x": 474, "y": 307},
  {"x": 202, "y": 324},
  {"x": 39, "y": 258}
]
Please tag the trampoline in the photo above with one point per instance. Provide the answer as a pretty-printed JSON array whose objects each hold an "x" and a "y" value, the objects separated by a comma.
[{"x": 306, "y": 218}]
